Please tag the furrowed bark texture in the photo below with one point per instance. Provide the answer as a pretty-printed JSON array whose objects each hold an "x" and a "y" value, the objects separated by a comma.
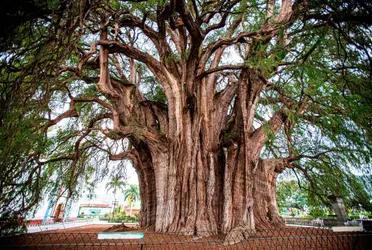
[
  {"x": 188, "y": 185},
  {"x": 200, "y": 179},
  {"x": 197, "y": 156},
  {"x": 146, "y": 177},
  {"x": 200, "y": 195}
]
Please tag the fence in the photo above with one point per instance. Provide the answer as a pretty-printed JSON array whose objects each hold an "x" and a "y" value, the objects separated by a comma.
[
  {"x": 32, "y": 228},
  {"x": 329, "y": 222},
  {"x": 285, "y": 238},
  {"x": 304, "y": 221},
  {"x": 36, "y": 222}
]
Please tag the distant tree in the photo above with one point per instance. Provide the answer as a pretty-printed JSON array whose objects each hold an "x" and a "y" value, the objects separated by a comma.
[
  {"x": 289, "y": 195},
  {"x": 91, "y": 194},
  {"x": 116, "y": 184},
  {"x": 131, "y": 195}
]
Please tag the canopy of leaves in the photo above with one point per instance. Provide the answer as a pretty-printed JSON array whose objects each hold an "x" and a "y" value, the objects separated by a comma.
[{"x": 30, "y": 31}]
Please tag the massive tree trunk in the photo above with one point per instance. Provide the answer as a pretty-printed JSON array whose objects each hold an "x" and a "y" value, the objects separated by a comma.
[
  {"x": 208, "y": 194},
  {"x": 198, "y": 155},
  {"x": 187, "y": 189},
  {"x": 265, "y": 209},
  {"x": 198, "y": 180},
  {"x": 147, "y": 188}
]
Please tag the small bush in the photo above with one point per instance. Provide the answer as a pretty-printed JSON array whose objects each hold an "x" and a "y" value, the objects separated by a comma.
[
  {"x": 119, "y": 217},
  {"x": 317, "y": 212}
]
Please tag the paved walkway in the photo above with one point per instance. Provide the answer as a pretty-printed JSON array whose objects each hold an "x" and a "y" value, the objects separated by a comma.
[{"x": 85, "y": 237}]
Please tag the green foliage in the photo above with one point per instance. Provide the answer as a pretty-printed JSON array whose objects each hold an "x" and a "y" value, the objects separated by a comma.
[
  {"x": 119, "y": 216},
  {"x": 303, "y": 200},
  {"x": 269, "y": 133},
  {"x": 115, "y": 184},
  {"x": 131, "y": 194},
  {"x": 318, "y": 212},
  {"x": 153, "y": 91},
  {"x": 12, "y": 224},
  {"x": 157, "y": 95},
  {"x": 333, "y": 135},
  {"x": 27, "y": 71},
  {"x": 290, "y": 196}
]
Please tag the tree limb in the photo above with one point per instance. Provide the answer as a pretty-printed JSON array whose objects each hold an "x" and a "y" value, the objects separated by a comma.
[{"x": 221, "y": 68}]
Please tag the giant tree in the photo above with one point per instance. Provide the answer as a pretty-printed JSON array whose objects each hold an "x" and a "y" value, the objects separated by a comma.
[{"x": 198, "y": 93}]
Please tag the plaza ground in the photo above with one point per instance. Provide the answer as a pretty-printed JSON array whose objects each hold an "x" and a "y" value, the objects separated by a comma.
[{"x": 85, "y": 237}]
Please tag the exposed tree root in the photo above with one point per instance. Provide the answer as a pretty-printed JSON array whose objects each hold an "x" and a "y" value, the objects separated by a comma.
[
  {"x": 238, "y": 234},
  {"x": 120, "y": 228}
]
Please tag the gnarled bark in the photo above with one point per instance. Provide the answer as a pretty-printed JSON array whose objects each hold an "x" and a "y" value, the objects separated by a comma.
[
  {"x": 187, "y": 191},
  {"x": 265, "y": 207},
  {"x": 197, "y": 158},
  {"x": 147, "y": 187},
  {"x": 208, "y": 195}
]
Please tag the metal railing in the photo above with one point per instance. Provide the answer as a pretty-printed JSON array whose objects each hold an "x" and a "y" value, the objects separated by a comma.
[
  {"x": 304, "y": 221},
  {"x": 283, "y": 238},
  {"x": 47, "y": 226}
]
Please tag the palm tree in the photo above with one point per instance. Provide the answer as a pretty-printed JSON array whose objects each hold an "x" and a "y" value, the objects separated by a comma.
[
  {"x": 115, "y": 184},
  {"x": 131, "y": 195}
]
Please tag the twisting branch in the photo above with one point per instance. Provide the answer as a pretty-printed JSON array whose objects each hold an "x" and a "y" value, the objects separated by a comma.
[
  {"x": 117, "y": 47},
  {"x": 225, "y": 10},
  {"x": 104, "y": 83},
  {"x": 128, "y": 154},
  {"x": 273, "y": 125},
  {"x": 240, "y": 38},
  {"x": 191, "y": 25},
  {"x": 281, "y": 116},
  {"x": 221, "y": 68},
  {"x": 316, "y": 156},
  {"x": 93, "y": 99},
  {"x": 130, "y": 20},
  {"x": 75, "y": 156},
  {"x": 71, "y": 112}
]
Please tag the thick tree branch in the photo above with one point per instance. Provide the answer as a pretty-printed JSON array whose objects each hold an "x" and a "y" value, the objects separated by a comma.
[
  {"x": 130, "y": 20},
  {"x": 221, "y": 104},
  {"x": 70, "y": 113},
  {"x": 240, "y": 38},
  {"x": 93, "y": 99},
  {"x": 285, "y": 12},
  {"x": 104, "y": 83},
  {"x": 260, "y": 135},
  {"x": 191, "y": 25},
  {"x": 159, "y": 39},
  {"x": 128, "y": 154},
  {"x": 117, "y": 47},
  {"x": 225, "y": 10},
  {"x": 221, "y": 68}
]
